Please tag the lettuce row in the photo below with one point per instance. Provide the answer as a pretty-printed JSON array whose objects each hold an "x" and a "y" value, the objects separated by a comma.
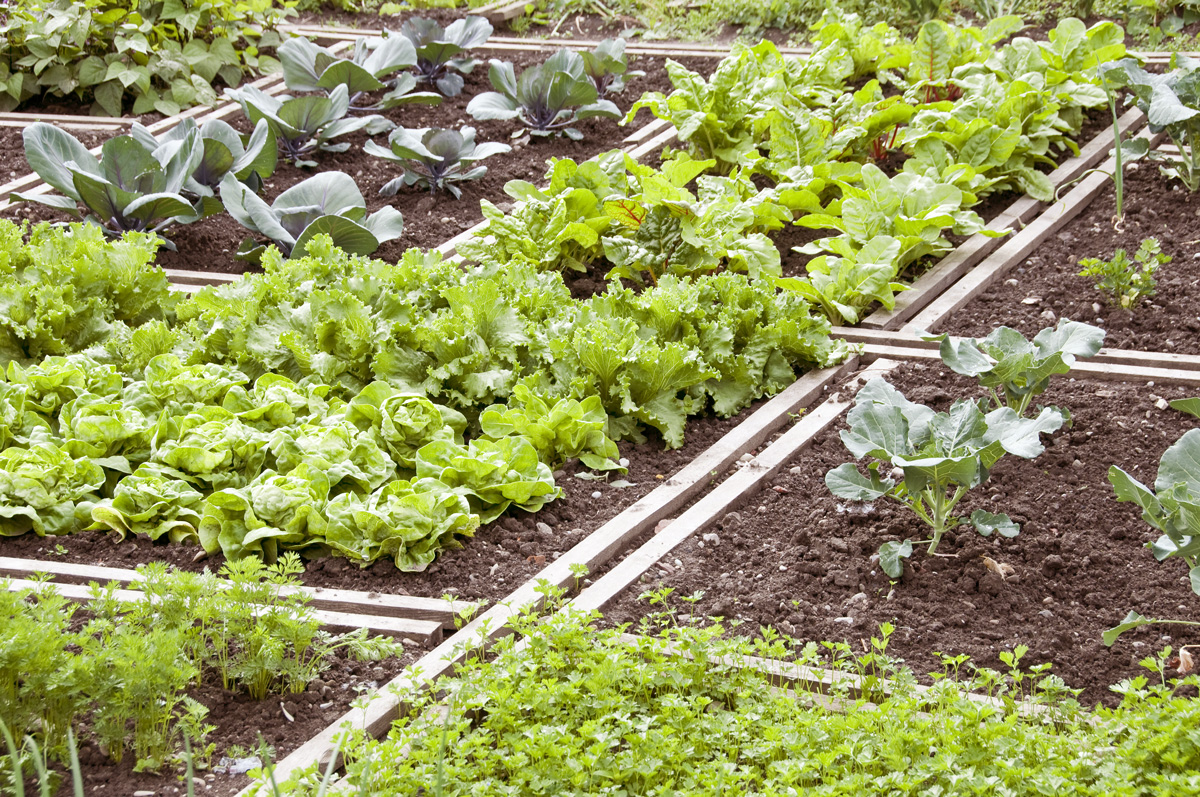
[{"x": 198, "y": 452}]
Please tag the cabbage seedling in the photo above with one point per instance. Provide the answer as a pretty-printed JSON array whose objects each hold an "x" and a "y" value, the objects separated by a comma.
[
  {"x": 328, "y": 203},
  {"x": 548, "y": 98},
  {"x": 439, "y": 50},
  {"x": 131, "y": 187},
  {"x": 434, "y": 158},
  {"x": 935, "y": 459}
]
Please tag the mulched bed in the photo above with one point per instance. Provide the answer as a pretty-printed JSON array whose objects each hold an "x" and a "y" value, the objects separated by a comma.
[
  {"x": 501, "y": 556},
  {"x": 800, "y": 559},
  {"x": 209, "y": 245},
  {"x": 239, "y": 722},
  {"x": 1047, "y": 286}
]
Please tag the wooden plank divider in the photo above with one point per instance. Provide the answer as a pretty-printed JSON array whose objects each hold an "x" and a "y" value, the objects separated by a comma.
[
  {"x": 596, "y": 549},
  {"x": 1114, "y": 357},
  {"x": 1018, "y": 247},
  {"x": 25, "y": 117},
  {"x": 335, "y": 600},
  {"x": 962, "y": 259},
  {"x": 423, "y": 631},
  {"x": 725, "y": 497},
  {"x": 1087, "y": 369}
]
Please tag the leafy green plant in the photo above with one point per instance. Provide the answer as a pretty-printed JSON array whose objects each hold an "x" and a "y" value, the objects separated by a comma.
[
  {"x": 922, "y": 11},
  {"x": 45, "y": 490},
  {"x": 130, "y": 188},
  {"x": 252, "y": 158},
  {"x": 71, "y": 287},
  {"x": 328, "y": 203},
  {"x": 492, "y": 474},
  {"x": 559, "y": 431},
  {"x": 305, "y": 125},
  {"x": 547, "y": 99},
  {"x": 310, "y": 67},
  {"x": 434, "y": 158},
  {"x": 1014, "y": 369},
  {"x": 608, "y": 67},
  {"x": 165, "y": 56},
  {"x": 1124, "y": 281},
  {"x": 935, "y": 459},
  {"x": 440, "y": 50},
  {"x": 150, "y": 504},
  {"x": 1173, "y": 508},
  {"x": 1171, "y": 102}
]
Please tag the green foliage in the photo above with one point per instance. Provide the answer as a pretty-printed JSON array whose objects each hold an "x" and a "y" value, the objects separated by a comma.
[
  {"x": 434, "y": 158},
  {"x": 133, "y": 187},
  {"x": 935, "y": 459},
  {"x": 163, "y": 56},
  {"x": 1171, "y": 102},
  {"x": 70, "y": 288},
  {"x": 251, "y": 158},
  {"x": 121, "y": 668},
  {"x": 1124, "y": 281},
  {"x": 440, "y": 51},
  {"x": 607, "y": 67},
  {"x": 307, "y": 124},
  {"x": 328, "y": 203},
  {"x": 547, "y": 99},
  {"x": 582, "y": 709},
  {"x": 1014, "y": 369},
  {"x": 566, "y": 429},
  {"x": 1173, "y": 508},
  {"x": 309, "y": 67}
]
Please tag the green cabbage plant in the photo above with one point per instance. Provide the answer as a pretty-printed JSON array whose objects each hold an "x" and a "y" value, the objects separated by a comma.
[{"x": 310, "y": 67}]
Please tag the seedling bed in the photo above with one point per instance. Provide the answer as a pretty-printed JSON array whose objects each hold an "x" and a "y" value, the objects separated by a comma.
[
  {"x": 209, "y": 245},
  {"x": 1048, "y": 282},
  {"x": 1079, "y": 560}
]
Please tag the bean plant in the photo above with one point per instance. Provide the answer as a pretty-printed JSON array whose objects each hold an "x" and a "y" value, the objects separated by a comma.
[{"x": 929, "y": 461}]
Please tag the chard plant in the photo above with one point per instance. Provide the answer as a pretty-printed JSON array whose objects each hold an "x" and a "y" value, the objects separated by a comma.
[
  {"x": 930, "y": 461},
  {"x": 1172, "y": 508},
  {"x": 441, "y": 62},
  {"x": 1126, "y": 281},
  {"x": 310, "y": 67},
  {"x": 328, "y": 203},
  {"x": 132, "y": 187},
  {"x": 434, "y": 158},
  {"x": 608, "y": 67},
  {"x": 1171, "y": 102},
  {"x": 547, "y": 99},
  {"x": 1014, "y": 369},
  {"x": 305, "y": 125}
]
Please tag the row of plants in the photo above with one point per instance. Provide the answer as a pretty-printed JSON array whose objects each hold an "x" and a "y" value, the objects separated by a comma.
[
  {"x": 577, "y": 707},
  {"x": 162, "y": 56},
  {"x": 145, "y": 183},
  {"x": 336, "y": 404},
  {"x": 118, "y": 671},
  {"x": 772, "y": 141}
]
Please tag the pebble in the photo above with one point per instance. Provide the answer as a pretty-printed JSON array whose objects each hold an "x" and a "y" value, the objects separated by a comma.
[
  {"x": 1162, "y": 404},
  {"x": 797, "y": 471},
  {"x": 844, "y": 620},
  {"x": 544, "y": 528},
  {"x": 143, "y": 793},
  {"x": 559, "y": 475},
  {"x": 1046, "y": 613},
  {"x": 1077, "y": 464},
  {"x": 1031, "y": 300},
  {"x": 1095, "y": 307},
  {"x": 1105, "y": 393},
  {"x": 1049, "y": 315},
  {"x": 597, "y": 494},
  {"x": 712, "y": 538},
  {"x": 623, "y": 462},
  {"x": 1010, "y": 282},
  {"x": 762, "y": 510},
  {"x": 746, "y": 458}
]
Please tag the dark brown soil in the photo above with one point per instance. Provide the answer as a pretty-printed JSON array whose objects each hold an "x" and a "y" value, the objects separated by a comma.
[
  {"x": 209, "y": 245},
  {"x": 239, "y": 722},
  {"x": 800, "y": 560},
  {"x": 1155, "y": 206},
  {"x": 496, "y": 561},
  {"x": 12, "y": 152}
]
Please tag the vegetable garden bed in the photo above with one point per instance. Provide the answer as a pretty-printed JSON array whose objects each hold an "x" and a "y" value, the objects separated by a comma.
[
  {"x": 1049, "y": 281},
  {"x": 799, "y": 559}
]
